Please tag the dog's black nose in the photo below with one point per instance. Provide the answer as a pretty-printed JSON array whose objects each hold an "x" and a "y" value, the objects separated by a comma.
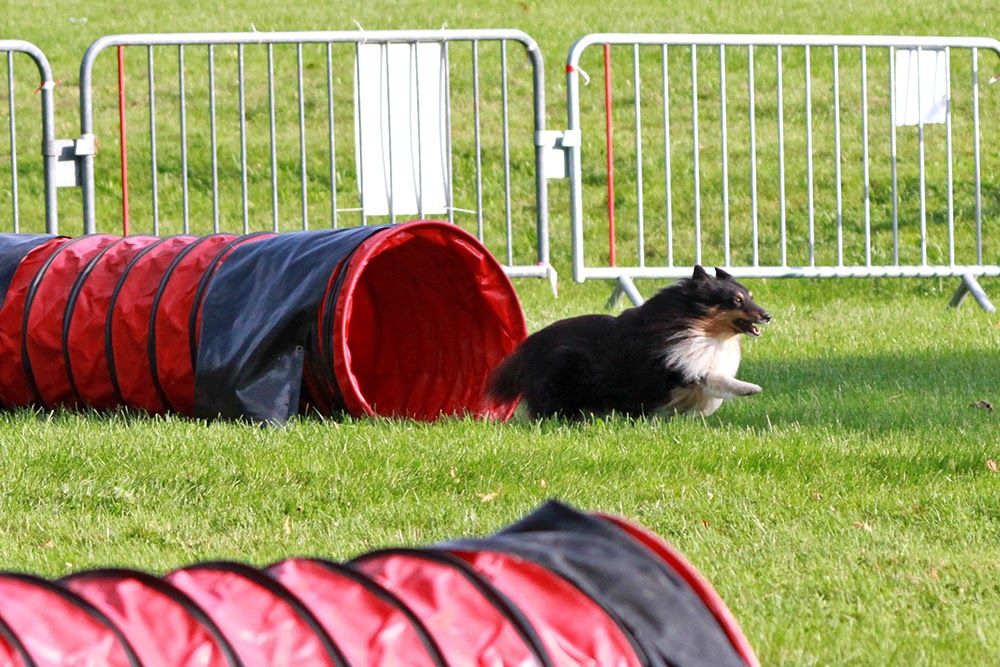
[{"x": 766, "y": 316}]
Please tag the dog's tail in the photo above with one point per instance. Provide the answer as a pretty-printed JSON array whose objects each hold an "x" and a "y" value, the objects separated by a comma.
[{"x": 506, "y": 383}]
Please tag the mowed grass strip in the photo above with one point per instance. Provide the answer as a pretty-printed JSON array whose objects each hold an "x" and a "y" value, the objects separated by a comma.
[{"x": 847, "y": 514}]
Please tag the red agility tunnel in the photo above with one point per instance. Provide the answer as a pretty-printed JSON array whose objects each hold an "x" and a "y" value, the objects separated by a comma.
[
  {"x": 21, "y": 260},
  {"x": 52, "y": 626},
  {"x": 400, "y": 320},
  {"x": 370, "y": 624},
  {"x": 171, "y": 347},
  {"x": 44, "y": 312},
  {"x": 588, "y": 636},
  {"x": 404, "y": 320},
  {"x": 86, "y": 317},
  {"x": 163, "y": 625},
  {"x": 263, "y": 620},
  {"x": 559, "y": 588},
  {"x": 439, "y": 589}
]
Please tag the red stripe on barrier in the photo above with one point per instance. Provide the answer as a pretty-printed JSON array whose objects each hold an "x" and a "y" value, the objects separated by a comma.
[
  {"x": 122, "y": 137},
  {"x": 609, "y": 137}
]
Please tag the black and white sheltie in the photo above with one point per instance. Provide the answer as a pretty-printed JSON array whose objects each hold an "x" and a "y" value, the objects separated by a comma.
[{"x": 678, "y": 352}]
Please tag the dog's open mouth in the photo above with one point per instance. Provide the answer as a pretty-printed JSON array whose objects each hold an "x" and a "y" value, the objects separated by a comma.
[{"x": 749, "y": 327}]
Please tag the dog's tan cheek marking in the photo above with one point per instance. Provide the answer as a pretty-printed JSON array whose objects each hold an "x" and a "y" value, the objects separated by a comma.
[{"x": 719, "y": 323}]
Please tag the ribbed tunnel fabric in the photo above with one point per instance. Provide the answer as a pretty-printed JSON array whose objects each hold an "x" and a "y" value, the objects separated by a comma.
[
  {"x": 400, "y": 320},
  {"x": 533, "y": 594}
]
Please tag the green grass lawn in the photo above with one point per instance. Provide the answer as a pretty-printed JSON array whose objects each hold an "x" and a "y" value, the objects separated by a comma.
[{"x": 847, "y": 515}]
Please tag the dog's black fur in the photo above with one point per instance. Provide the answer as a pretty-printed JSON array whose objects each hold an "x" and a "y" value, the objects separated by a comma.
[{"x": 678, "y": 352}]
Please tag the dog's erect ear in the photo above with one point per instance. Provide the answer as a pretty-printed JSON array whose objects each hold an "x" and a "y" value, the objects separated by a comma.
[
  {"x": 722, "y": 275},
  {"x": 700, "y": 273}
]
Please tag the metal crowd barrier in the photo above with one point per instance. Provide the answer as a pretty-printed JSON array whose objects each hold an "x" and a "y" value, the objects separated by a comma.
[
  {"x": 50, "y": 149},
  {"x": 770, "y": 155},
  {"x": 246, "y": 121},
  {"x": 783, "y": 155}
]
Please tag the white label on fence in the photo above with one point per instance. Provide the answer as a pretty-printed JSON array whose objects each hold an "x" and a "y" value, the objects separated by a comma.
[
  {"x": 921, "y": 86},
  {"x": 400, "y": 128}
]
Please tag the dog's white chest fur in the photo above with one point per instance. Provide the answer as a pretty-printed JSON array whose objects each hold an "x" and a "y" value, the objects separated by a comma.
[{"x": 699, "y": 357}]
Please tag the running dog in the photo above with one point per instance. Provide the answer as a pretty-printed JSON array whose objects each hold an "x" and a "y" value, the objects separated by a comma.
[{"x": 676, "y": 353}]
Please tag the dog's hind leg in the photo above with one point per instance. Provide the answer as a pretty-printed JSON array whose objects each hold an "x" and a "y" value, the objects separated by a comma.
[
  {"x": 558, "y": 385},
  {"x": 724, "y": 387}
]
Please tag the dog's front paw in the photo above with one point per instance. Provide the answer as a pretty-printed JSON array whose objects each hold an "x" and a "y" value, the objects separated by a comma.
[{"x": 749, "y": 389}]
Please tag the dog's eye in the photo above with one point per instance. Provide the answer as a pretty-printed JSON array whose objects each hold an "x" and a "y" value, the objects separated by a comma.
[{"x": 738, "y": 300}]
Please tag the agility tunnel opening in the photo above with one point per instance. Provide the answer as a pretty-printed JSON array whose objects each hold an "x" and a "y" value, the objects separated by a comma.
[
  {"x": 559, "y": 588},
  {"x": 398, "y": 320},
  {"x": 421, "y": 317}
]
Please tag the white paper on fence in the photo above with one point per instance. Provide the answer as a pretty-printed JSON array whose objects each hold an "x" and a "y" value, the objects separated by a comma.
[
  {"x": 409, "y": 90},
  {"x": 921, "y": 86}
]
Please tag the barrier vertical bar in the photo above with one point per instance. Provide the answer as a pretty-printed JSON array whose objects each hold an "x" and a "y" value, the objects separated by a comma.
[
  {"x": 388, "y": 109},
  {"x": 950, "y": 168},
  {"x": 575, "y": 169},
  {"x": 783, "y": 215},
  {"x": 272, "y": 131},
  {"x": 213, "y": 139},
  {"x": 182, "y": 93},
  {"x": 447, "y": 120},
  {"x": 122, "y": 139},
  {"x": 243, "y": 139},
  {"x": 976, "y": 156},
  {"x": 332, "y": 144},
  {"x": 694, "y": 154},
  {"x": 359, "y": 134},
  {"x": 87, "y": 132},
  {"x": 506, "y": 152},
  {"x": 724, "y": 132},
  {"x": 303, "y": 167},
  {"x": 894, "y": 159},
  {"x": 923, "y": 171},
  {"x": 541, "y": 183},
  {"x": 637, "y": 85},
  {"x": 867, "y": 167},
  {"x": 478, "y": 140},
  {"x": 667, "y": 175},
  {"x": 48, "y": 137},
  {"x": 154, "y": 176},
  {"x": 12, "y": 117},
  {"x": 809, "y": 159},
  {"x": 751, "y": 85},
  {"x": 837, "y": 156},
  {"x": 610, "y": 158},
  {"x": 420, "y": 148}
]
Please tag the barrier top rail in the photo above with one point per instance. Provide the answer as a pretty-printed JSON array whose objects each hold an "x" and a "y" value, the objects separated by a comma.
[
  {"x": 50, "y": 151},
  {"x": 312, "y": 37}
]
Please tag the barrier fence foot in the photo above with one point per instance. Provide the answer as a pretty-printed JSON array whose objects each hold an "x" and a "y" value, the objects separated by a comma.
[
  {"x": 553, "y": 280},
  {"x": 971, "y": 286},
  {"x": 625, "y": 287}
]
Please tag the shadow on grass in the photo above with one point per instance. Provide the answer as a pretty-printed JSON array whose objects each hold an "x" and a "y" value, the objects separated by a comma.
[{"x": 880, "y": 392}]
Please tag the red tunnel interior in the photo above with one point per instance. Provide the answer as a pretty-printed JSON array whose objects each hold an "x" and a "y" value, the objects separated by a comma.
[{"x": 423, "y": 315}]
